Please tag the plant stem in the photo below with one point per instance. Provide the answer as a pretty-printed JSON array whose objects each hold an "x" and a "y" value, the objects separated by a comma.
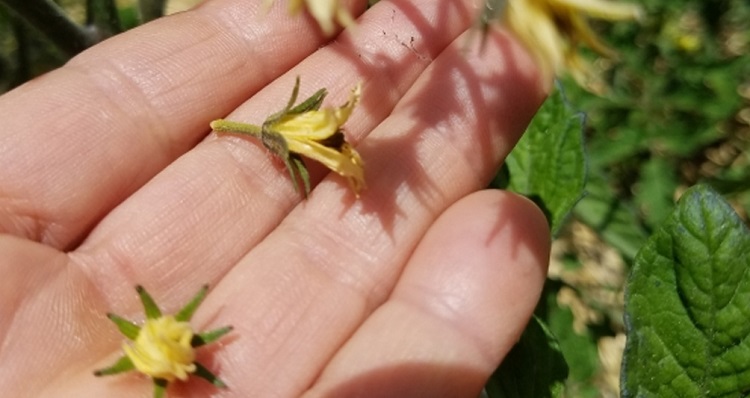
[
  {"x": 151, "y": 9},
  {"x": 103, "y": 15},
  {"x": 51, "y": 20}
]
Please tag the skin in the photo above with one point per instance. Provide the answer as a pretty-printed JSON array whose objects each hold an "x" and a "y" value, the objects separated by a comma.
[{"x": 110, "y": 177}]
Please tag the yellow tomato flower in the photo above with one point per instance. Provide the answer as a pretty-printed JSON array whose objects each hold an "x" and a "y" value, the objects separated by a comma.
[
  {"x": 305, "y": 129},
  {"x": 317, "y": 135},
  {"x": 553, "y": 29},
  {"x": 325, "y": 12},
  {"x": 162, "y": 349}
]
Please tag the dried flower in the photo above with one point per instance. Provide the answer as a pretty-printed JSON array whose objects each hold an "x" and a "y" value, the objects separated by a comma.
[
  {"x": 305, "y": 129},
  {"x": 326, "y": 12},
  {"x": 164, "y": 347},
  {"x": 553, "y": 29}
]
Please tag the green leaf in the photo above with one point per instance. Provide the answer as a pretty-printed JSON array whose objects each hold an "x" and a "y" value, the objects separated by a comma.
[
  {"x": 688, "y": 303},
  {"x": 149, "y": 305},
  {"x": 210, "y": 336},
  {"x": 578, "y": 348},
  {"x": 123, "y": 364},
  {"x": 534, "y": 367},
  {"x": 655, "y": 190},
  {"x": 186, "y": 312},
  {"x": 127, "y": 328},
  {"x": 548, "y": 164},
  {"x": 612, "y": 217}
]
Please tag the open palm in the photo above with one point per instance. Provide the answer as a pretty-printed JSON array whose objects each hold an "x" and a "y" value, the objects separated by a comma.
[{"x": 110, "y": 177}]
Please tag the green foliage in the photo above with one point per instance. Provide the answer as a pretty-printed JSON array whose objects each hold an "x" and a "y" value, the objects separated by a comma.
[
  {"x": 687, "y": 305},
  {"x": 534, "y": 368},
  {"x": 37, "y": 36},
  {"x": 677, "y": 114},
  {"x": 614, "y": 219},
  {"x": 547, "y": 165},
  {"x": 673, "y": 107},
  {"x": 578, "y": 349}
]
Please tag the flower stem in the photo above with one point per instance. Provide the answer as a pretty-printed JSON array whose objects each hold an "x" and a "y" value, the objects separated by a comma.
[{"x": 227, "y": 126}]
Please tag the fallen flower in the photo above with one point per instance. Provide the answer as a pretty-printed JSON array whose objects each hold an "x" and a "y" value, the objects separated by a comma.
[
  {"x": 164, "y": 347},
  {"x": 305, "y": 129}
]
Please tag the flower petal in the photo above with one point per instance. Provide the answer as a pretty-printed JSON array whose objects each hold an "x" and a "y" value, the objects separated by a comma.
[
  {"x": 163, "y": 349},
  {"x": 608, "y": 10},
  {"x": 345, "y": 162}
]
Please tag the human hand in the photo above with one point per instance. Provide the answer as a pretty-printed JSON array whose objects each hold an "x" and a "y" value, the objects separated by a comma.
[{"x": 110, "y": 178}]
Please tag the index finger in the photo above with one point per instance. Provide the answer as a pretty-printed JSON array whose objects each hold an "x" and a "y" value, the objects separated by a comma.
[{"x": 129, "y": 107}]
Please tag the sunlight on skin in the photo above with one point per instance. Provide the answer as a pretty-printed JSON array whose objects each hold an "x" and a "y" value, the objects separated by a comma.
[{"x": 156, "y": 201}]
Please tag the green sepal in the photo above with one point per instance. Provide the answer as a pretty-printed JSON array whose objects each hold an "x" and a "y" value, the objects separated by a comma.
[
  {"x": 124, "y": 364},
  {"x": 127, "y": 328},
  {"x": 187, "y": 311},
  {"x": 200, "y": 339},
  {"x": 296, "y": 168},
  {"x": 206, "y": 374},
  {"x": 311, "y": 104},
  {"x": 276, "y": 143},
  {"x": 292, "y": 99},
  {"x": 302, "y": 172},
  {"x": 160, "y": 388},
  {"x": 149, "y": 305}
]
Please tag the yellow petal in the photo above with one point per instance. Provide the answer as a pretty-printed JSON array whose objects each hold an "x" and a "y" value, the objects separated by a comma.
[
  {"x": 609, "y": 10},
  {"x": 345, "y": 162},
  {"x": 539, "y": 33},
  {"x": 163, "y": 349},
  {"x": 552, "y": 30},
  {"x": 323, "y": 11},
  {"x": 317, "y": 125},
  {"x": 328, "y": 11},
  {"x": 312, "y": 125}
]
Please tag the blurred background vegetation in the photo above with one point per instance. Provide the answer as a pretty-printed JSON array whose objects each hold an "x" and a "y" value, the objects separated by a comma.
[{"x": 676, "y": 112}]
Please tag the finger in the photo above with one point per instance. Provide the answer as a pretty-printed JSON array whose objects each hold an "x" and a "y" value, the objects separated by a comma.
[
  {"x": 463, "y": 301},
  {"x": 299, "y": 294},
  {"x": 213, "y": 205},
  {"x": 89, "y": 134}
]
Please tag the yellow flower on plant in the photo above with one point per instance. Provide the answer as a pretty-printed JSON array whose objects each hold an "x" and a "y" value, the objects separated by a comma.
[
  {"x": 552, "y": 30},
  {"x": 307, "y": 130},
  {"x": 325, "y": 12},
  {"x": 162, "y": 349}
]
